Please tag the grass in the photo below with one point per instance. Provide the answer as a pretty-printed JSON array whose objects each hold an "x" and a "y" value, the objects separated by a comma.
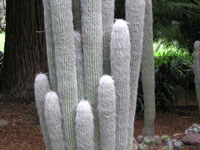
[{"x": 2, "y": 41}]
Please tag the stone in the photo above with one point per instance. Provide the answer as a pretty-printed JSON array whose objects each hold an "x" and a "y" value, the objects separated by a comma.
[
  {"x": 135, "y": 147},
  {"x": 157, "y": 140},
  {"x": 178, "y": 145},
  {"x": 170, "y": 144},
  {"x": 142, "y": 146},
  {"x": 195, "y": 130},
  {"x": 165, "y": 138},
  {"x": 149, "y": 140},
  {"x": 186, "y": 131},
  {"x": 191, "y": 139},
  {"x": 166, "y": 147},
  {"x": 140, "y": 138},
  {"x": 195, "y": 125},
  {"x": 3, "y": 123}
]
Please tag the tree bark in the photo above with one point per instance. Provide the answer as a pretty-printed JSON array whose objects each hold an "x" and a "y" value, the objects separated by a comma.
[{"x": 25, "y": 49}]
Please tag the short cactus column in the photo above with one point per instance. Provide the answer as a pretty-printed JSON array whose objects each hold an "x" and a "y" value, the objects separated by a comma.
[
  {"x": 197, "y": 70},
  {"x": 42, "y": 87},
  {"x": 84, "y": 126},
  {"x": 135, "y": 11},
  {"x": 65, "y": 66},
  {"x": 53, "y": 118},
  {"x": 120, "y": 70},
  {"x": 107, "y": 113}
]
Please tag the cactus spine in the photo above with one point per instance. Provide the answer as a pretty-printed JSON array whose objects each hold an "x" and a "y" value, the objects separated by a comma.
[
  {"x": 42, "y": 87},
  {"x": 148, "y": 77},
  {"x": 79, "y": 65},
  {"x": 50, "y": 44},
  {"x": 120, "y": 70},
  {"x": 107, "y": 113},
  {"x": 92, "y": 38},
  {"x": 53, "y": 117},
  {"x": 197, "y": 70},
  {"x": 65, "y": 66},
  {"x": 84, "y": 126},
  {"x": 135, "y": 10},
  {"x": 107, "y": 19}
]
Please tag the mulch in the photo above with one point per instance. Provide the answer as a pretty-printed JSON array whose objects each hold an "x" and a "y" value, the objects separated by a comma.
[{"x": 23, "y": 131}]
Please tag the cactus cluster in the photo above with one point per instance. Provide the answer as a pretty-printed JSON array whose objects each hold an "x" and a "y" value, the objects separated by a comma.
[{"x": 80, "y": 108}]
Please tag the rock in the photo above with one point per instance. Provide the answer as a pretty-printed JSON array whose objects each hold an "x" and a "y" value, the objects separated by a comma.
[
  {"x": 157, "y": 140},
  {"x": 149, "y": 140},
  {"x": 135, "y": 147},
  {"x": 170, "y": 144},
  {"x": 186, "y": 131},
  {"x": 3, "y": 123},
  {"x": 195, "y": 125},
  {"x": 195, "y": 130},
  {"x": 178, "y": 145},
  {"x": 191, "y": 139},
  {"x": 166, "y": 147},
  {"x": 143, "y": 147},
  {"x": 140, "y": 138},
  {"x": 165, "y": 138}
]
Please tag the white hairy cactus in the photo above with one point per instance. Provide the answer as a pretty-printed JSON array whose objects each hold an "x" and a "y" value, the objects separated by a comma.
[
  {"x": 79, "y": 65},
  {"x": 135, "y": 11},
  {"x": 50, "y": 44},
  {"x": 107, "y": 113},
  {"x": 92, "y": 42},
  {"x": 65, "y": 66},
  {"x": 53, "y": 117},
  {"x": 120, "y": 70},
  {"x": 41, "y": 88},
  {"x": 197, "y": 70},
  {"x": 84, "y": 126},
  {"x": 108, "y": 7}
]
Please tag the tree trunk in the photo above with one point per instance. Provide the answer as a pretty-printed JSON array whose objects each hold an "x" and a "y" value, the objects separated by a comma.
[{"x": 25, "y": 50}]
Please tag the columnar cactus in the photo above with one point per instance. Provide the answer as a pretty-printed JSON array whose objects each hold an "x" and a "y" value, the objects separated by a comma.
[
  {"x": 65, "y": 66},
  {"x": 197, "y": 69},
  {"x": 120, "y": 70},
  {"x": 42, "y": 87},
  {"x": 76, "y": 8},
  {"x": 92, "y": 39},
  {"x": 107, "y": 113},
  {"x": 53, "y": 117},
  {"x": 148, "y": 77},
  {"x": 135, "y": 10},
  {"x": 79, "y": 65},
  {"x": 108, "y": 7},
  {"x": 50, "y": 44},
  {"x": 84, "y": 126}
]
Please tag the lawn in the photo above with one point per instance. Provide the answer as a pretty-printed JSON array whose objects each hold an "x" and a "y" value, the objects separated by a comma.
[{"x": 2, "y": 41}]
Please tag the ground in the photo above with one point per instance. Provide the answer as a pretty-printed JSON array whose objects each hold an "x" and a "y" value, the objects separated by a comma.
[{"x": 23, "y": 131}]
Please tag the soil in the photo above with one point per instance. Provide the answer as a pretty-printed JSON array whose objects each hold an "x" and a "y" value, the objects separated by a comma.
[{"x": 23, "y": 131}]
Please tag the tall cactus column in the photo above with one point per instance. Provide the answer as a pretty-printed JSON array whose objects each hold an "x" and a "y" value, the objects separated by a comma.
[
  {"x": 148, "y": 76},
  {"x": 92, "y": 39},
  {"x": 135, "y": 10},
  {"x": 65, "y": 66},
  {"x": 197, "y": 70},
  {"x": 50, "y": 44},
  {"x": 108, "y": 7},
  {"x": 120, "y": 70}
]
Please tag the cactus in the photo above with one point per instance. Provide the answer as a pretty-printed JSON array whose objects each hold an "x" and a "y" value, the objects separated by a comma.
[
  {"x": 53, "y": 117},
  {"x": 107, "y": 113},
  {"x": 76, "y": 8},
  {"x": 120, "y": 70},
  {"x": 84, "y": 126},
  {"x": 41, "y": 87},
  {"x": 65, "y": 66},
  {"x": 107, "y": 23},
  {"x": 79, "y": 65},
  {"x": 197, "y": 70},
  {"x": 92, "y": 38},
  {"x": 148, "y": 77},
  {"x": 135, "y": 10},
  {"x": 50, "y": 44}
]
